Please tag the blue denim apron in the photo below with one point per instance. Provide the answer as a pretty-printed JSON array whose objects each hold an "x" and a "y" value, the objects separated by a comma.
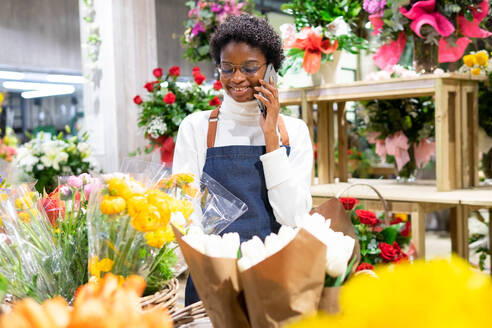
[{"x": 239, "y": 170}]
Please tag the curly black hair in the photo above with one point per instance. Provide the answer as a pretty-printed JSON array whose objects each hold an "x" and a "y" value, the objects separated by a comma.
[{"x": 252, "y": 30}]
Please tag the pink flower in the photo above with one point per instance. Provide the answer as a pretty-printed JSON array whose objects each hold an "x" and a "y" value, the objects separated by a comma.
[
  {"x": 198, "y": 28},
  {"x": 422, "y": 13},
  {"x": 75, "y": 182},
  {"x": 377, "y": 23},
  {"x": 449, "y": 53},
  {"x": 389, "y": 54},
  {"x": 88, "y": 188},
  {"x": 472, "y": 29}
]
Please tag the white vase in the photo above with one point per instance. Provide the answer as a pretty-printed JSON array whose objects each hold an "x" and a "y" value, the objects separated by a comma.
[{"x": 327, "y": 71}]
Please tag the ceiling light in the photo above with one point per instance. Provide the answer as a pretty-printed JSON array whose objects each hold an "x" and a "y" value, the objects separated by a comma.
[
  {"x": 9, "y": 75},
  {"x": 47, "y": 93},
  {"x": 14, "y": 85},
  {"x": 66, "y": 78}
]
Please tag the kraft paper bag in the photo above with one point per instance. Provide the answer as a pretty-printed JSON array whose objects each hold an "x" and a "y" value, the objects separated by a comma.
[
  {"x": 333, "y": 209},
  {"x": 217, "y": 283},
  {"x": 330, "y": 300},
  {"x": 287, "y": 284}
]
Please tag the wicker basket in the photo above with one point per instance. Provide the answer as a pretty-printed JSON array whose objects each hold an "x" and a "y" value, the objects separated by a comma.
[
  {"x": 189, "y": 314},
  {"x": 165, "y": 298}
]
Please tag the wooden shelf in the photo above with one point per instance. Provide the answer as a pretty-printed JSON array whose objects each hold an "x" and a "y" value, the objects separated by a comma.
[{"x": 456, "y": 121}]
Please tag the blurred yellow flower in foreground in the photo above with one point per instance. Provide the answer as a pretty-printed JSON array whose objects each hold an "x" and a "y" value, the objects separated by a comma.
[
  {"x": 26, "y": 201},
  {"x": 438, "y": 293},
  {"x": 104, "y": 305}
]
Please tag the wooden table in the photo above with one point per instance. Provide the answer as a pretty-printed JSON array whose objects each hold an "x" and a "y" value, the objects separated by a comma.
[
  {"x": 456, "y": 121},
  {"x": 417, "y": 199}
]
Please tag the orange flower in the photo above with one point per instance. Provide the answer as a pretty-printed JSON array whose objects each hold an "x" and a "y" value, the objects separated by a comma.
[
  {"x": 314, "y": 46},
  {"x": 112, "y": 205}
]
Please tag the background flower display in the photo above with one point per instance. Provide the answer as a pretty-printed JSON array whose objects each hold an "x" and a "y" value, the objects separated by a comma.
[
  {"x": 403, "y": 129},
  {"x": 8, "y": 145},
  {"x": 379, "y": 243},
  {"x": 440, "y": 31},
  {"x": 168, "y": 102},
  {"x": 321, "y": 28},
  {"x": 45, "y": 159},
  {"x": 203, "y": 17}
]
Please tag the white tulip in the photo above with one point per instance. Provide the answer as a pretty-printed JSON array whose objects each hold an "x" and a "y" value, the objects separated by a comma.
[
  {"x": 196, "y": 241},
  {"x": 286, "y": 234},
  {"x": 273, "y": 244},
  {"x": 244, "y": 264},
  {"x": 230, "y": 244},
  {"x": 213, "y": 246},
  {"x": 336, "y": 267}
]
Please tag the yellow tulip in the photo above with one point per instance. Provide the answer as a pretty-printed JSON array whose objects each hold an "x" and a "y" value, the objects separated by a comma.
[
  {"x": 112, "y": 205},
  {"x": 482, "y": 58},
  {"x": 470, "y": 60},
  {"x": 476, "y": 71}
]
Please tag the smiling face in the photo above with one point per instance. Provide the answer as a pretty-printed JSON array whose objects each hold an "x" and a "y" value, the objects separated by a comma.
[{"x": 238, "y": 85}]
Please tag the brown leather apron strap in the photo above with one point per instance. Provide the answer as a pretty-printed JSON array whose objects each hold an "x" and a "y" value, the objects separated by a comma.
[{"x": 212, "y": 129}]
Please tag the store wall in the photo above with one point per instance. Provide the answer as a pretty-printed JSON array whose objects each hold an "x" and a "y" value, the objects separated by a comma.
[{"x": 40, "y": 35}]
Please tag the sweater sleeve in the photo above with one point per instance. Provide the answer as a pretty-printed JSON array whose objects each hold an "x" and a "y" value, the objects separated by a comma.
[
  {"x": 288, "y": 178},
  {"x": 185, "y": 152}
]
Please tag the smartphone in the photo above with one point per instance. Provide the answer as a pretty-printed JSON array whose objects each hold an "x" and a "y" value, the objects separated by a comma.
[{"x": 270, "y": 72}]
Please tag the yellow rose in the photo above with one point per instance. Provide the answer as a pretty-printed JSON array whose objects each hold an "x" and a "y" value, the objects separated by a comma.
[
  {"x": 482, "y": 58},
  {"x": 147, "y": 220},
  {"x": 476, "y": 71},
  {"x": 470, "y": 60},
  {"x": 136, "y": 204},
  {"x": 112, "y": 205},
  {"x": 119, "y": 187}
]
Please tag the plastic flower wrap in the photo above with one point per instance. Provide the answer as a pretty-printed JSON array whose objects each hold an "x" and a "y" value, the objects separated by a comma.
[
  {"x": 129, "y": 229},
  {"x": 30, "y": 259},
  {"x": 112, "y": 303}
]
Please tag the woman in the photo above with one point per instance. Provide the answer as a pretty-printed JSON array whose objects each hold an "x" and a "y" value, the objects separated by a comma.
[{"x": 264, "y": 161}]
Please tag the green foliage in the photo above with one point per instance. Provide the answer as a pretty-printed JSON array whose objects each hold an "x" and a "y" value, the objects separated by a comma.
[
  {"x": 322, "y": 12},
  {"x": 162, "y": 269}
]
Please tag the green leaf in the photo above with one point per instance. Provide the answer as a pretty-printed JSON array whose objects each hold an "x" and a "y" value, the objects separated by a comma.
[
  {"x": 4, "y": 285},
  {"x": 203, "y": 50},
  {"x": 390, "y": 234}
]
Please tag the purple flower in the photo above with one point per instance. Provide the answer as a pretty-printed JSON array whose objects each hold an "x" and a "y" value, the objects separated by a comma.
[
  {"x": 198, "y": 28},
  {"x": 216, "y": 8},
  {"x": 374, "y": 6}
]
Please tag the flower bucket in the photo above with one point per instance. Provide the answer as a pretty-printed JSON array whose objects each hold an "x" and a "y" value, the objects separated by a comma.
[{"x": 327, "y": 71}]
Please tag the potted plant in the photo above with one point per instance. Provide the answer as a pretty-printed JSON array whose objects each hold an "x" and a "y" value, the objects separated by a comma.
[
  {"x": 203, "y": 18},
  {"x": 322, "y": 29},
  {"x": 438, "y": 31},
  {"x": 167, "y": 103}
]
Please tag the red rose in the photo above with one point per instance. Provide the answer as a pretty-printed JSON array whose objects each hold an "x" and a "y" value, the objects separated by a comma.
[
  {"x": 388, "y": 252},
  {"x": 137, "y": 100},
  {"x": 215, "y": 101},
  {"x": 367, "y": 217},
  {"x": 406, "y": 231},
  {"x": 199, "y": 78},
  {"x": 365, "y": 266},
  {"x": 396, "y": 221},
  {"x": 157, "y": 72},
  {"x": 169, "y": 98},
  {"x": 195, "y": 70},
  {"x": 348, "y": 203},
  {"x": 174, "y": 71},
  {"x": 217, "y": 85},
  {"x": 377, "y": 229},
  {"x": 150, "y": 85}
]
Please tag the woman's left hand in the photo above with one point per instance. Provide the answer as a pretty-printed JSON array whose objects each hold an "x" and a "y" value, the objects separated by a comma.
[{"x": 269, "y": 123}]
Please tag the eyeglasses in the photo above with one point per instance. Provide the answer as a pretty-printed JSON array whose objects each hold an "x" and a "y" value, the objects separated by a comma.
[{"x": 247, "y": 68}]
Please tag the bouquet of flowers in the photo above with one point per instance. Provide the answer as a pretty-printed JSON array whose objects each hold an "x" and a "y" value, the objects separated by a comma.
[
  {"x": 379, "y": 242},
  {"x": 129, "y": 229},
  {"x": 168, "y": 102},
  {"x": 203, "y": 18},
  {"x": 109, "y": 304},
  {"x": 477, "y": 63},
  {"x": 321, "y": 28},
  {"x": 263, "y": 280},
  {"x": 403, "y": 129},
  {"x": 44, "y": 159},
  {"x": 31, "y": 262},
  {"x": 450, "y": 25}
]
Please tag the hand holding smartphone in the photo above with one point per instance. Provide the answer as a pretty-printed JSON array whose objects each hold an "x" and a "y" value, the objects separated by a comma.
[{"x": 269, "y": 73}]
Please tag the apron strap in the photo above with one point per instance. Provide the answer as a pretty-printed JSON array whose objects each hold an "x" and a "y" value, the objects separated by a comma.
[{"x": 212, "y": 129}]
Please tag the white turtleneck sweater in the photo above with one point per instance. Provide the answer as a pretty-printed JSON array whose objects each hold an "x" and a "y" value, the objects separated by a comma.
[{"x": 288, "y": 178}]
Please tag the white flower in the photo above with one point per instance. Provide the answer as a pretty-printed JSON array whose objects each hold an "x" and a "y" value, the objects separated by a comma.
[
  {"x": 40, "y": 166},
  {"x": 53, "y": 157},
  {"x": 85, "y": 149},
  {"x": 338, "y": 27},
  {"x": 213, "y": 245},
  {"x": 164, "y": 85},
  {"x": 287, "y": 31},
  {"x": 156, "y": 128}
]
